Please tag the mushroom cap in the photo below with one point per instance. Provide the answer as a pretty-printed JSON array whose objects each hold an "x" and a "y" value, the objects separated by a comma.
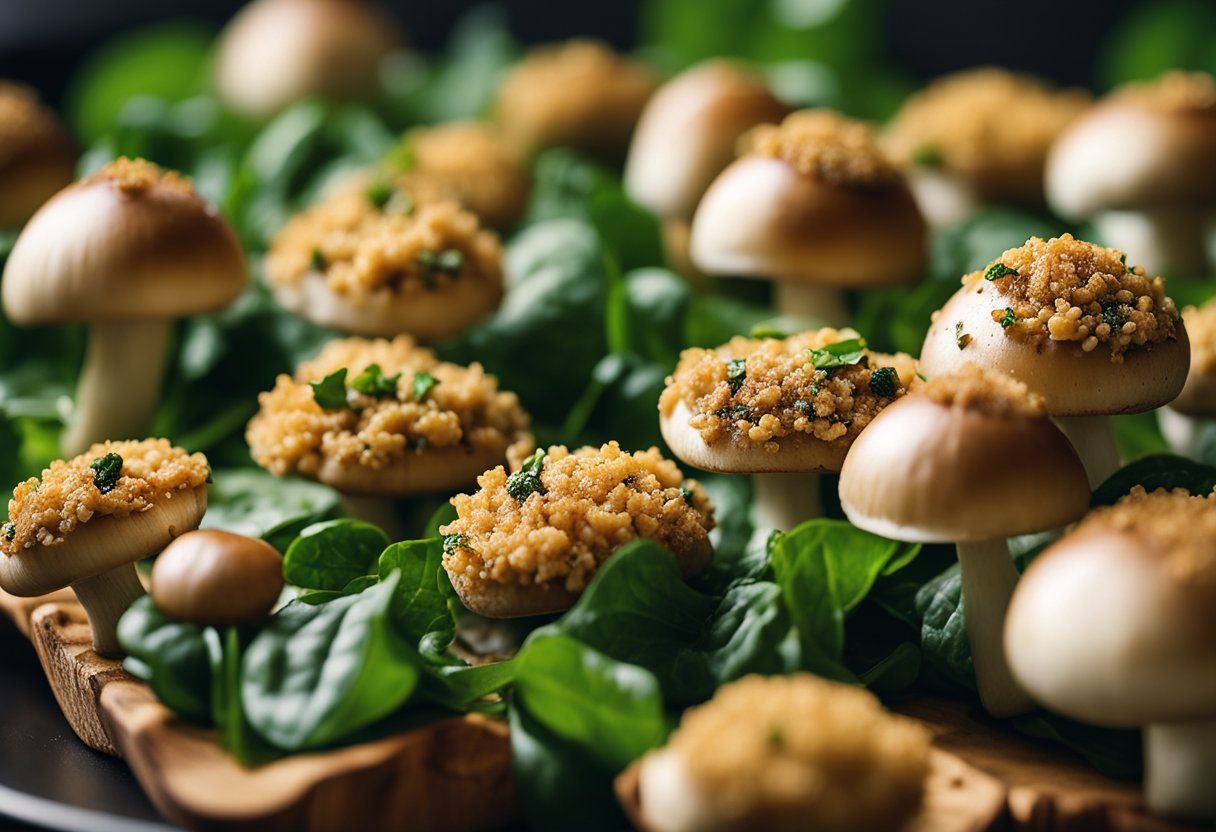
[
  {"x": 762, "y": 218},
  {"x": 1099, "y": 630},
  {"x": 275, "y": 52},
  {"x": 124, "y": 244},
  {"x": 932, "y": 472},
  {"x": 1198, "y": 396},
  {"x": 1074, "y": 382},
  {"x": 1130, "y": 153},
  {"x": 217, "y": 578},
  {"x": 102, "y": 544},
  {"x": 36, "y": 155},
  {"x": 688, "y": 131}
]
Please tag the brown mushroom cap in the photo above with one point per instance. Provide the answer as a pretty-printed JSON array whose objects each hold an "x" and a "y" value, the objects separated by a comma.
[
  {"x": 688, "y": 131},
  {"x": 1198, "y": 396},
  {"x": 36, "y": 156},
  {"x": 217, "y": 578},
  {"x": 127, "y": 243},
  {"x": 931, "y": 470}
]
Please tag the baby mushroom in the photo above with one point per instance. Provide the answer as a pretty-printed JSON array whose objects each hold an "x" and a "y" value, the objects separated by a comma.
[
  {"x": 970, "y": 458},
  {"x": 1140, "y": 164},
  {"x": 979, "y": 136},
  {"x": 577, "y": 94},
  {"x": 1092, "y": 335},
  {"x": 87, "y": 521},
  {"x": 368, "y": 261},
  {"x": 786, "y": 753},
  {"x": 528, "y": 543},
  {"x": 1115, "y": 624},
  {"x": 1182, "y": 419},
  {"x": 217, "y": 578},
  {"x": 126, "y": 251},
  {"x": 783, "y": 410},
  {"x": 815, "y": 206},
  {"x": 383, "y": 419},
  {"x": 36, "y": 155},
  {"x": 275, "y": 52}
]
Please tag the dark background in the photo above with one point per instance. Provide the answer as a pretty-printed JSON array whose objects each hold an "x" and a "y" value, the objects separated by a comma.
[{"x": 42, "y": 42}]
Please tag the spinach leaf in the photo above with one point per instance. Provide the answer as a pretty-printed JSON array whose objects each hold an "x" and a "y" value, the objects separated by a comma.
[
  {"x": 658, "y": 302},
  {"x": 316, "y": 674},
  {"x": 944, "y": 645},
  {"x": 423, "y": 607},
  {"x": 331, "y": 554},
  {"x": 171, "y": 656},
  {"x": 252, "y": 502},
  {"x": 1158, "y": 471}
]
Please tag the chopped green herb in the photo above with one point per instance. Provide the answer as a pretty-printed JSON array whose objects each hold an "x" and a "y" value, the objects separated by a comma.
[
  {"x": 330, "y": 392},
  {"x": 401, "y": 157},
  {"x": 1008, "y": 319},
  {"x": 526, "y": 480},
  {"x": 379, "y": 193},
  {"x": 961, "y": 338},
  {"x": 735, "y": 413},
  {"x": 998, "y": 270},
  {"x": 373, "y": 382},
  {"x": 804, "y": 407},
  {"x": 687, "y": 492},
  {"x": 1123, "y": 258},
  {"x": 422, "y": 384},
  {"x": 760, "y": 331},
  {"x": 840, "y": 354},
  {"x": 776, "y": 738},
  {"x": 10, "y": 530},
  {"x": 318, "y": 260},
  {"x": 927, "y": 156},
  {"x": 106, "y": 472},
  {"x": 736, "y": 372},
  {"x": 884, "y": 382},
  {"x": 629, "y": 480},
  {"x": 450, "y": 261},
  {"x": 1115, "y": 314},
  {"x": 452, "y": 542},
  {"x": 921, "y": 376}
]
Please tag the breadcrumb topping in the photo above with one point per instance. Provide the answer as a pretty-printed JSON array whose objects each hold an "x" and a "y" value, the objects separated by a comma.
[
  {"x": 995, "y": 394},
  {"x": 466, "y": 162},
  {"x": 1200, "y": 325},
  {"x": 133, "y": 176},
  {"x": 591, "y": 502},
  {"x": 799, "y": 752},
  {"x": 463, "y": 408},
  {"x": 43, "y": 511},
  {"x": 825, "y": 145},
  {"x": 757, "y": 392},
  {"x": 989, "y": 125},
  {"x": 366, "y": 241},
  {"x": 1064, "y": 289},
  {"x": 578, "y": 93},
  {"x": 24, "y": 123},
  {"x": 1174, "y": 91},
  {"x": 1181, "y": 527}
]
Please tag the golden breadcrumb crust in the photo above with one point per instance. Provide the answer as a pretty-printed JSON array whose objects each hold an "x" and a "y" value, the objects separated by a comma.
[
  {"x": 43, "y": 511},
  {"x": 1201, "y": 329},
  {"x": 292, "y": 433},
  {"x": 362, "y": 247},
  {"x": 1064, "y": 289},
  {"x": 825, "y": 145},
  {"x": 1174, "y": 91},
  {"x": 132, "y": 176},
  {"x": 593, "y": 502},
  {"x": 782, "y": 393},
  {"x": 985, "y": 391},
  {"x": 798, "y": 752},
  {"x": 1179, "y": 528}
]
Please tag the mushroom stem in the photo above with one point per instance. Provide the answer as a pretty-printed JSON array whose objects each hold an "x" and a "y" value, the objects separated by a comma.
[
  {"x": 782, "y": 501},
  {"x": 1164, "y": 242},
  {"x": 119, "y": 383},
  {"x": 1179, "y": 760},
  {"x": 944, "y": 199},
  {"x": 822, "y": 303},
  {"x": 989, "y": 578},
  {"x": 105, "y": 598},
  {"x": 1182, "y": 432},
  {"x": 1094, "y": 441},
  {"x": 379, "y": 511}
]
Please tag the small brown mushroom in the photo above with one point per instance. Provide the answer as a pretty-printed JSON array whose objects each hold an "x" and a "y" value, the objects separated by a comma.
[
  {"x": 217, "y": 578},
  {"x": 36, "y": 156}
]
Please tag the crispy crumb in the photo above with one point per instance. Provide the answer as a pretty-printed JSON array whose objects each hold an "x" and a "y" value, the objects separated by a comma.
[
  {"x": 24, "y": 123},
  {"x": 799, "y": 752},
  {"x": 1200, "y": 325},
  {"x": 133, "y": 176},
  {"x": 593, "y": 501},
  {"x": 362, "y": 247},
  {"x": 44, "y": 511},
  {"x": 292, "y": 433},
  {"x": 1179, "y": 528},
  {"x": 1064, "y": 289},
  {"x": 988, "y": 125},
  {"x": 825, "y": 145},
  {"x": 985, "y": 391},
  {"x": 781, "y": 393},
  {"x": 1174, "y": 91}
]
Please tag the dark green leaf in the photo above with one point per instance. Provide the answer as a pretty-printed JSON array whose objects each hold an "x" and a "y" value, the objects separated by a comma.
[
  {"x": 330, "y": 392},
  {"x": 171, "y": 656},
  {"x": 371, "y": 382},
  {"x": 422, "y": 384},
  {"x": 526, "y": 481},
  {"x": 331, "y": 554},
  {"x": 253, "y": 502},
  {"x": 998, "y": 270},
  {"x": 1153, "y": 472},
  {"x": 106, "y": 471},
  {"x": 840, "y": 354},
  {"x": 421, "y": 609}
]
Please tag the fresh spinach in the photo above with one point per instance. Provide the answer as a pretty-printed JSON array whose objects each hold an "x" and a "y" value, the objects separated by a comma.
[
  {"x": 171, "y": 656},
  {"x": 424, "y": 609},
  {"x": 331, "y": 554},
  {"x": 252, "y": 502}
]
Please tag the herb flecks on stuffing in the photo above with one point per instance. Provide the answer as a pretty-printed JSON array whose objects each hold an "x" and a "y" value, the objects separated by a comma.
[
  {"x": 44, "y": 511},
  {"x": 1201, "y": 328},
  {"x": 589, "y": 503},
  {"x": 1175, "y": 91},
  {"x": 1179, "y": 527},
  {"x": 461, "y": 407},
  {"x": 24, "y": 122},
  {"x": 365, "y": 245},
  {"x": 995, "y": 394},
  {"x": 1064, "y": 289},
  {"x": 132, "y": 176},
  {"x": 802, "y": 747},
  {"x": 781, "y": 392},
  {"x": 825, "y": 145}
]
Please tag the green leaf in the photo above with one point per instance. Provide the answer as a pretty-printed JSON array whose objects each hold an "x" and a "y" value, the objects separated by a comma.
[
  {"x": 330, "y": 392},
  {"x": 422, "y": 384},
  {"x": 998, "y": 270},
  {"x": 1153, "y": 472},
  {"x": 944, "y": 645},
  {"x": 421, "y": 609},
  {"x": 840, "y": 354},
  {"x": 371, "y": 382},
  {"x": 526, "y": 481},
  {"x": 106, "y": 471},
  {"x": 171, "y": 656},
  {"x": 331, "y": 554},
  {"x": 252, "y": 502}
]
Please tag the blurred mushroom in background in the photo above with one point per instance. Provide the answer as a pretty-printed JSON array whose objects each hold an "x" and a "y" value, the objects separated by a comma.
[
  {"x": 1182, "y": 420},
  {"x": 37, "y": 158}
]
